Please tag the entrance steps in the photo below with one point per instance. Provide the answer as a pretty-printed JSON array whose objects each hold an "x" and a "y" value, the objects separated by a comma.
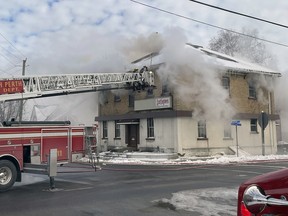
[
  {"x": 241, "y": 152},
  {"x": 151, "y": 155}
]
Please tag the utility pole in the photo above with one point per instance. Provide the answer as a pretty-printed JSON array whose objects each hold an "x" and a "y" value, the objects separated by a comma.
[{"x": 21, "y": 102}]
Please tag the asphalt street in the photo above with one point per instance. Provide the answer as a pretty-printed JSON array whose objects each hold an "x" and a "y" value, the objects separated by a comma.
[{"x": 124, "y": 189}]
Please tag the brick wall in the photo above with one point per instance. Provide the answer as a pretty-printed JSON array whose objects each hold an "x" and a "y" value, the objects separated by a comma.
[{"x": 239, "y": 98}]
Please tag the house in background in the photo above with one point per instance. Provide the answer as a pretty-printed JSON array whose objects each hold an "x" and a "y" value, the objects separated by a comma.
[{"x": 162, "y": 119}]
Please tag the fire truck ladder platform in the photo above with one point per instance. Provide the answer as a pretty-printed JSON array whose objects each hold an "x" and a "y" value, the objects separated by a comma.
[{"x": 19, "y": 88}]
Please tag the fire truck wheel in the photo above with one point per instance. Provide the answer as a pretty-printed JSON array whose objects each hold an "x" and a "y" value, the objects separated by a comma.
[{"x": 8, "y": 174}]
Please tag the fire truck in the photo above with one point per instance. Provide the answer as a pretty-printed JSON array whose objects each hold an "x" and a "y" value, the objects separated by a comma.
[{"x": 24, "y": 146}]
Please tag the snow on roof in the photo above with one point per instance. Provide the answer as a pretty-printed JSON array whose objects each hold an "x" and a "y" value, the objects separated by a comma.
[
  {"x": 231, "y": 64},
  {"x": 238, "y": 65}
]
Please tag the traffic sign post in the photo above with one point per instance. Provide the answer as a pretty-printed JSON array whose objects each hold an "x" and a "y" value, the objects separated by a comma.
[
  {"x": 263, "y": 120},
  {"x": 236, "y": 123}
]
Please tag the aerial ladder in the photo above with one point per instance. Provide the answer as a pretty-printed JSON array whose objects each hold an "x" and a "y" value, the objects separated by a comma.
[{"x": 28, "y": 87}]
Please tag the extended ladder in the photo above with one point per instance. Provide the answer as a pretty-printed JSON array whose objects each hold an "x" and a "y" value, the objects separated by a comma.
[{"x": 18, "y": 88}]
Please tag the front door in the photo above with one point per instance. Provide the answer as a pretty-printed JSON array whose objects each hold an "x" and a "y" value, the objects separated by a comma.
[{"x": 132, "y": 136}]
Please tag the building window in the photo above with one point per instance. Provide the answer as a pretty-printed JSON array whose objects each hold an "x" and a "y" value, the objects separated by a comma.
[
  {"x": 253, "y": 125},
  {"x": 131, "y": 100},
  {"x": 150, "y": 92},
  {"x": 227, "y": 130},
  {"x": 202, "y": 129},
  {"x": 165, "y": 90},
  {"x": 117, "y": 98},
  {"x": 105, "y": 129},
  {"x": 150, "y": 127},
  {"x": 226, "y": 83},
  {"x": 117, "y": 130},
  {"x": 252, "y": 91}
]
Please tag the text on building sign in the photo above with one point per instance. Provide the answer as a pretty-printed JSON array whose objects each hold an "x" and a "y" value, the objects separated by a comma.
[{"x": 163, "y": 102}]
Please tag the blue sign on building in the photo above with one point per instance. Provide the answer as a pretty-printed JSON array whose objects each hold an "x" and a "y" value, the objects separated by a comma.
[{"x": 236, "y": 123}]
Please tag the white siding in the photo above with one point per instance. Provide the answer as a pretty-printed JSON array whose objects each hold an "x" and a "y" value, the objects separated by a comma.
[{"x": 164, "y": 130}]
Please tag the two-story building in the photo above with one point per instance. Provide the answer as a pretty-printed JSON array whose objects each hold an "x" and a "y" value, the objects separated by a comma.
[{"x": 199, "y": 98}]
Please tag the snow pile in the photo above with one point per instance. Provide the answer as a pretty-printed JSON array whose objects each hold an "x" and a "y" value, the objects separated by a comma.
[
  {"x": 149, "y": 158},
  {"x": 205, "y": 202}
]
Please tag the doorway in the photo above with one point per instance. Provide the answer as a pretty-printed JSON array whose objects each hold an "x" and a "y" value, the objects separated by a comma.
[{"x": 132, "y": 136}]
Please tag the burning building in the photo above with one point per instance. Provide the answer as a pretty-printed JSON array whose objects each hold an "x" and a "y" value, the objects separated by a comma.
[{"x": 198, "y": 93}]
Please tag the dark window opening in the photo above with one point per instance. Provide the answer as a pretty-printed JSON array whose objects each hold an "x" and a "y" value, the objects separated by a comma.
[
  {"x": 105, "y": 129},
  {"x": 131, "y": 100},
  {"x": 117, "y": 98},
  {"x": 253, "y": 125},
  {"x": 117, "y": 130}
]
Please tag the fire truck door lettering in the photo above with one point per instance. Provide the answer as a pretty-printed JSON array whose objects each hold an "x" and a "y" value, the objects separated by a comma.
[{"x": 59, "y": 153}]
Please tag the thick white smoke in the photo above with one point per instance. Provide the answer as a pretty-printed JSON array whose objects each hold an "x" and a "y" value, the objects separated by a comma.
[
  {"x": 195, "y": 79},
  {"x": 67, "y": 53},
  {"x": 282, "y": 103}
]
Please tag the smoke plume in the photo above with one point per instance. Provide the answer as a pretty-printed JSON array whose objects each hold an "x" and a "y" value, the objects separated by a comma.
[{"x": 195, "y": 79}]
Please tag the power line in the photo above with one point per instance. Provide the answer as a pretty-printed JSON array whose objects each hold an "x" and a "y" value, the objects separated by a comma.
[
  {"x": 12, "y": 45},
  {"x": 7, "y": 59},
  {"x": 8, "y": 69},
  {"x": 12, "y": 54},
  {"x": 240, "y": 14},
  {"x": 208, "y": 24}
]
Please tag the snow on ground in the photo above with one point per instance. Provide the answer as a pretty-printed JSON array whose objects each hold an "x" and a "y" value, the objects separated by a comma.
[
  {"x": 157, "y": 158},
  {"x": 203, "y": 202}
]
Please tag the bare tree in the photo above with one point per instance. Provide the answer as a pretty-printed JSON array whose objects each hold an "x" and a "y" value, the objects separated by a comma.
[{"x": 242, "y": 46}]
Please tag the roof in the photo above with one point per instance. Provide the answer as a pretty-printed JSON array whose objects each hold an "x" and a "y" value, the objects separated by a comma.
[{"x": 230, "y": 64}]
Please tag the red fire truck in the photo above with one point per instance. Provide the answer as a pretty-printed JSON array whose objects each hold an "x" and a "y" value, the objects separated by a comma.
[
  {"x": 24, "y": 144},
  {"x": 29, "y": 143}
]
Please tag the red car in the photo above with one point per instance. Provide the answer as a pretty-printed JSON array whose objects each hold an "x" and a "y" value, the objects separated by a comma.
[{"x": 264, "y": 195}]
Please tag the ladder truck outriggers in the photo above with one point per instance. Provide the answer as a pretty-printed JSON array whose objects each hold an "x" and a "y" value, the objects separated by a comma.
[{"x": 24, "y": 144}]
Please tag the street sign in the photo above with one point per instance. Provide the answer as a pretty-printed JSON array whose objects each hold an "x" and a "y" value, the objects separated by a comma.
[
  {"x": 263, "y": 120},
  {"x": 236, "y": 123}
]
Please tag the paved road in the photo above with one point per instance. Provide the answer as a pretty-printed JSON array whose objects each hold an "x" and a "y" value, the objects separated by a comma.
[{"x": 129, "y": 190}]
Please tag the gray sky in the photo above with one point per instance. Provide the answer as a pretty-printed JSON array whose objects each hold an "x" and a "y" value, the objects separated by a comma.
[{"x": 72, "y": 36}]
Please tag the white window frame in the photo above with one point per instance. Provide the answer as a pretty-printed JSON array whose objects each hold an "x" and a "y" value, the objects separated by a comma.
[
  {"x": 105, "y": 129},
  {"x": 150, "y": 128},
  {"x": 202, "y": 131},
  {"x": 117, "y": 130},
  {"x": 253, "y": 126}
]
